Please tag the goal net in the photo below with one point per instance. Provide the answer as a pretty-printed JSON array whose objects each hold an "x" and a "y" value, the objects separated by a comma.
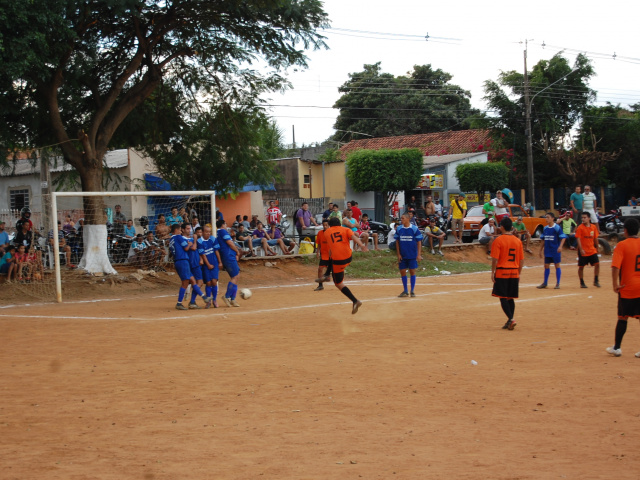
[{"x": 85, "y": 238}]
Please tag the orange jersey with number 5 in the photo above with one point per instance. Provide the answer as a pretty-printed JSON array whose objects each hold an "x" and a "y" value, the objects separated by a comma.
[{"x": 507, "y": 249}]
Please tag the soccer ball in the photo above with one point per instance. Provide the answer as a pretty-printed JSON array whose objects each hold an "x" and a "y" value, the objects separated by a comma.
[{"x": 245, "y": 293}]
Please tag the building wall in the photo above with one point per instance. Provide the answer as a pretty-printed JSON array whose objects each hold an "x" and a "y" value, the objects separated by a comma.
[
  {"x": 289, "y": 185},
  {"x": 335, "y": 182},
  {"x": 230, "y": 207}
]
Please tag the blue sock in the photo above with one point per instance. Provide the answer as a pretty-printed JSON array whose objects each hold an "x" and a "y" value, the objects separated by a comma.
[
  {"x": 234, "y": 291},
  {"x": 208, "y": 290},
  {"x": 413, "y": 282},
  {"x": 404, "y": 283},
  {"x": 196, "y": 289},
  {"x": 181, "y": 293},
  {"x": 558, "y": 275},
  {"x": 229, "y": 290},
  {"x": 214, "y": 291},
  {"x": 547, "y": 271}
]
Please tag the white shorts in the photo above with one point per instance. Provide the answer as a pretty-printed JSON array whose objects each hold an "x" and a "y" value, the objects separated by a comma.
[{"x": 594, "y": 216}]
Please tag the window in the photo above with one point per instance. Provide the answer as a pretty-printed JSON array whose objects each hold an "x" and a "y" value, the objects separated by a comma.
[
  {"x": 19, "y": 198},
  {"x": 307, "y": 179}
]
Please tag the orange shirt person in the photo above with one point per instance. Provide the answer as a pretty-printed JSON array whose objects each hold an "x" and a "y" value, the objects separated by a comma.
[
  {"x": 322, "y": 252},
  {"x": 625, "y": 273},
  {"x": 338, "y": 238},
  {"x": 507, "y": 256},
  {"x": 587, "y": 237}
]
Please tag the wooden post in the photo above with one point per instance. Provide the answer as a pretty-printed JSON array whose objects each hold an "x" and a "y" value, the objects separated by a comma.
[{"x": 603, "y": 210}]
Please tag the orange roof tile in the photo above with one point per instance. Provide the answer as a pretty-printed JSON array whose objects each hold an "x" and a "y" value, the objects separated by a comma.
[{"x": 441, "y": 143}]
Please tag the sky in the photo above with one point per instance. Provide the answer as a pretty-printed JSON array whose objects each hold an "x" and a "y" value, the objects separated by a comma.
[{"x": 473, "y": 41}]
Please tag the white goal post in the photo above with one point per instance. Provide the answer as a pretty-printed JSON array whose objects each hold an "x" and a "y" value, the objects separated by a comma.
[{"x": 95, "y": 257}]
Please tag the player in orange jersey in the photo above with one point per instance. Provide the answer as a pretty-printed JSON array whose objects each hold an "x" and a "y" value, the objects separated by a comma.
[
  {"x": 625, "y": 271},
  {"x": 338, "y": 238},
  {"x": 587, "y": 237},
  {"x": 507, "y": 260},
  {"x": 322, "y": 252}
]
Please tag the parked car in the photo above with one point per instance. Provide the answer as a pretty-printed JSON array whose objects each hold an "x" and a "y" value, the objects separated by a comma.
[
  {"x": 382, "y": 229},
  {"x": 474, "y": 217}
]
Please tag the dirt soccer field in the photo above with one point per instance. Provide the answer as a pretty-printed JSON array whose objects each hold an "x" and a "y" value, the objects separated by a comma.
[{"x": 291, "y": 385}]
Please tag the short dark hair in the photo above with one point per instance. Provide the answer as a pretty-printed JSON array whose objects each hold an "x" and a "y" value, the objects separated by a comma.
[
  {"x": 175, "y": 227},
  {"x": 631, "y": 225},
  {"x": 551, "y": 214},
  {"x": 198, "y": 229},
  {"x": 184, "y": 225},
  {"x": 506, "y": 223},
  {"x": 334, "y": 222},
  {"x": 160, "y": 215},
  {"x": 245, "y": 217},
  {"x": 220, "y": 222},
  {"x": 587, "y": 214}
]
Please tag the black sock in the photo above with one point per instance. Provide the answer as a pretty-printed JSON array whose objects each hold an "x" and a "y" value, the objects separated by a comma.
[
  {"x": 348, "y": 294},
  {"x": 582, "y": 281},
  {"x": 621, "y": 329},
  {"x": 506, "y": 308},
  {"x": 512, "y": 303},
  {"x": 595, "y": 279}
]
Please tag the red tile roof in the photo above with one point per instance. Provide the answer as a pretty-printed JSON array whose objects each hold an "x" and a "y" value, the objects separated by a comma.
[{"x": 442, "y": 143}]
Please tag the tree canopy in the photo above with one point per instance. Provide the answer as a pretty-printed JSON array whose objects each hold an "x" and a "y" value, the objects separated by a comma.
[
  {"x": 559, "y": 98},
  {"x": 77, "y": 71},
  {"x": 384, "y": 171},
  {"x": 482, "y": 177},
  {"x": 379, "y": 104}
]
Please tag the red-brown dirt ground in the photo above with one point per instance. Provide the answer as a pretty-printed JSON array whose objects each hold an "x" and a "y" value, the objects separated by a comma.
[{"x": 291, "y": 385}]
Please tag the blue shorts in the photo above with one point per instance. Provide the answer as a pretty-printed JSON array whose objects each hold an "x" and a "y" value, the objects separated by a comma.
[
  {"x": 232, "y": 268},
  {"x": 557, "y": 258},
  {"x": 272, "y": 243},
  {"x": 408, "y": 264},
  {"x": 183, "y": 270},
  {"x": 197, "y": 272},
  {"x": 208, "y": 275}
]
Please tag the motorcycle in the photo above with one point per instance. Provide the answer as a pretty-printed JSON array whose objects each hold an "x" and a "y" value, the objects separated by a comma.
[
  {"x": 611, "y": 222},
  {"x": 441, "y": 223}
]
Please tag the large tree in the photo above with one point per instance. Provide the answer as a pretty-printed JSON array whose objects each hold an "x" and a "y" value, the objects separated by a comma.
[
  {"x": 72, "y": 72},
  {"x": 379, "y": 104},
  {"x": 559, "y": 96}
]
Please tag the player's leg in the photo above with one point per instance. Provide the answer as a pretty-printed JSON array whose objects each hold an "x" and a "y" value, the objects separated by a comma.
[
  {"x": 596, "y": 271},
  {"x": 232, "y": 287},
  {"x": 547, "y": 272},
  {"x": 621, "y": 329},
  {"x": 581, "y": 275},
  {"x": 338, "y": 280},
  {"x": 412, "y": 272},
  {"x": 402, "y": 267},
  {"x": 558, "y": 274}
]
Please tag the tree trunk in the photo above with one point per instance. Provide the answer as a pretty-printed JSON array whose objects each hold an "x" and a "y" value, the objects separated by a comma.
[{"x": 95, "y": 258}]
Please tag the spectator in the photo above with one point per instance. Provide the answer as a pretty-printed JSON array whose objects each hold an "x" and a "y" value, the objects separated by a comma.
[
  {"x": 62, "y": 244},
  {"x": 429, "y": 207},
  {"x": 130, "y": 230},
  {"x": 273, "y": 213},
  {"x": 520, "y": 231},
  {"x": 219, "y": 215},
  {"x": 633, "y": 202},
  {"x": 327, "y": 212},
  {"x": 413, "y": 204},
  {"x": 366, "y": 228},
  {"x": 25, "y": 217},
  {"x": 68, "y": 224},
  {"x": 21, "y": 261},
  {"x": 155, "y": 252},
  {"x": 261, "y": 238},
  {"x": 500, "y": 205},
  {"x": 174, "y": 219},
  {"x": 243, "y": 241},
  {"x": 352, "y": 224},
  {"x": 194, "y": 223},
  {"x": 590, "y": 204},
  {"x": 24, "y": 235},
  {"x": 119, "y": 221},
  {"x": 32, "y": 269},
  {"x": 569, "y": 226},
  {"x": 459, "y": 207},
  {"x": 245, "y": 222},
  {"x": 8, "y": 262},
  {"x": 488, "y": 234},
  {"x": 335, "y": 212},
  {"x": 488, "y": 210},
  {"x": 438, "y": 207},
  {"x": 163, "y": 231},
  {"x": 576, "y": 203},
  {"x": 253, "y": 224},
  {"x": 184, "y": 215},
  {"x": 138, "y": 251},
  {"x": 4, "y": 240},
  {"x": 434, "y": 233},
  {"x": 304, "y": 219},
  {"x": 357, "y": 213},
  {"x": 79, "y": 224},
  {"x": 237, "y": 223},
  {"x": 277, "y": 238},
  {"x": 412, "y": 218}
]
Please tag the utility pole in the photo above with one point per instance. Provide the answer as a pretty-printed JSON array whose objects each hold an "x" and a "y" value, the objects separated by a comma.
[
  {"x": 527, "y": 134},
  {"x": 45, "y": 191}
]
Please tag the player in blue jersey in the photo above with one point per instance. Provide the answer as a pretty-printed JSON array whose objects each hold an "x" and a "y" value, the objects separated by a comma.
[
  {"x": 194, "y": 260},
  {"x": 209, "y": 250},
  {"x": 179, "y": 246},
  {"x": 229, "y": 255},
  {"x": 553, "y": 239},
  {"x": 409, "y": 249}
]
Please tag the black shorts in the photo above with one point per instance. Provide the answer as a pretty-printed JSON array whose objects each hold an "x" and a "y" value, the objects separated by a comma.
[
  {"x": 590, "y": 260},
  {"x": 628, "y": 307},
  {"x": 337, "y": 277},
  {"x": 324, "y": 263},
  {"x": 506, "y": 288}
]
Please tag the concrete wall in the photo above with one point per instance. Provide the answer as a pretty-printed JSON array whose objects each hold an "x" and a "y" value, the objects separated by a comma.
[{"x": 289, "y": 186}]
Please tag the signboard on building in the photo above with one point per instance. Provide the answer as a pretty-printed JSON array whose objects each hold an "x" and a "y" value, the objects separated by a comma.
[
  {"x": 429, "y": 181},
  {"x": 469, "y": 197}
]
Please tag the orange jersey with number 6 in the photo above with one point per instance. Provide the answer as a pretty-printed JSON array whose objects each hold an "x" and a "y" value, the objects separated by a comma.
[{"x": 507, "y": 249}]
